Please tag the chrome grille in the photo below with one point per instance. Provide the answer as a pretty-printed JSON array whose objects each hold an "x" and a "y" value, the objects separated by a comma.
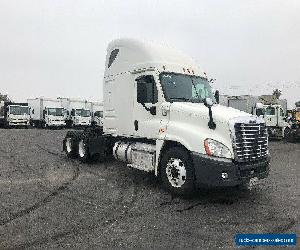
[{"x": 250, "y": 142}]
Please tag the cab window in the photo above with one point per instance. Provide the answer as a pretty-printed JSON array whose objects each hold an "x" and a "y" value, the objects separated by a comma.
[
  {"x": 270, "y": 111},
  {"x": 146, "y": 89}
]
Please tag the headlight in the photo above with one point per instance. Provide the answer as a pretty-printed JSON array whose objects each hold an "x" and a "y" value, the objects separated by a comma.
[{"x": 215, "y": 148}]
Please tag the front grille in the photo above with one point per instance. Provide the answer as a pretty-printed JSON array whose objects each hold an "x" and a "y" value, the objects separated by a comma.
[{"x": 250, "y": 142}]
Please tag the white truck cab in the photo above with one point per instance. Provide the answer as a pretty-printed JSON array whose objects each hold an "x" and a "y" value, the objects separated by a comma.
[
  {"x": 274, "y": 117},
  {"x": 97, "y": 113},
  {"x": 79, "y": 112},
  {"x": 160, "y": 116},
  {"x": 47, "y": 113},
  {"x": 14, "y": 114}
]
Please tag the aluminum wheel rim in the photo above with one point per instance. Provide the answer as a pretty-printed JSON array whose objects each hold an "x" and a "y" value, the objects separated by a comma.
[
  {"x": 81, "y": 149},
  {"x": 69, "y": 145},
  {"x": 176, "y": 172}
]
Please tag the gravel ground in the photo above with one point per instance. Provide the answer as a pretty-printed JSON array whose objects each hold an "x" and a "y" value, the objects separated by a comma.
[{"x": 50, "y": 201}]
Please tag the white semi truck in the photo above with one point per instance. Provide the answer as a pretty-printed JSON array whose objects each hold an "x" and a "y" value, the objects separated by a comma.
[
  {"x": 78, "y": 112},
  {"x": 271, "y": 109},
  {"x": 47, "y": 113},
  {"x": 14, "y": 114},
  {"x": 160, "y": 116},
  {"x": 97, "y": 113}
]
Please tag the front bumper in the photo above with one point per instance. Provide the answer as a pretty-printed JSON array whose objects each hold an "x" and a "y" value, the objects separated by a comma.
[
  {"x": 209, "y": 171},
  {"x": 18, "y": 123},
  {"x": 57, "y": 124},
  {"x": 83, "y": 124}
]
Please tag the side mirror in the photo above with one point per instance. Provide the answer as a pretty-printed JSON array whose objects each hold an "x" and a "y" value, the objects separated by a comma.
[
  {"x": 208, "y": 102},
  {"x": 153, "y": 110},
  {"x": 260, "y": 112},
  {"x": 217, "y": 96},
  {"x": 32, "y": 111}
]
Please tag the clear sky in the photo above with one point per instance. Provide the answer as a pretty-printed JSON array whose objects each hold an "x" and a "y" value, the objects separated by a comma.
[{"x": 57, "y": 47}]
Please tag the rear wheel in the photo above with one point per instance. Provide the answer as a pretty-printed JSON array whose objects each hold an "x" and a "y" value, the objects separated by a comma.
[
  {"x": 83, "y": 151},
  {"x": 288, "y": 135},
  {"x": 177, "y": 171}
]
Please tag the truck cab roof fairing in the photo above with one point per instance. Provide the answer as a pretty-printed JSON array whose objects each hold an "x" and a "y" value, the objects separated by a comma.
[{"x": 125, "y": 55}]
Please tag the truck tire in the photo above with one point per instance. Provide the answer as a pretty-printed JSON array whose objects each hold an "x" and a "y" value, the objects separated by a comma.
[
  {"x": 289, "y": 135},
  {"x": 83, "y": 150},
  {"x": 69, "y": 145},
  {"x": 177, "y": 171}
]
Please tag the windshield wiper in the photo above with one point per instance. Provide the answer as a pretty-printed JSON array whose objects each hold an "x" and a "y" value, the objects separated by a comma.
[{"x": 180, "y": 99}]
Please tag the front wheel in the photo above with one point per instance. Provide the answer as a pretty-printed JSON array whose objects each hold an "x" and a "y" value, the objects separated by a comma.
[
  {"x": 177, "y": 171},
  {"x": 70, "y": 145}
]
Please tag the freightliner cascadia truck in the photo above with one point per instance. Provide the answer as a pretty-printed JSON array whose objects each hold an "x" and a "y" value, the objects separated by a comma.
[{"x": 160, "y": 116}]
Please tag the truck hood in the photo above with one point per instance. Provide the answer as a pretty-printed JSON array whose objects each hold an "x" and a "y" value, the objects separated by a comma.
[{"x": 220, "y": 113}]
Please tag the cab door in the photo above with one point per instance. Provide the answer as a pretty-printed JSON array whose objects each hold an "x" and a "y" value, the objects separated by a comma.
[
  {"x": 148, "y": 119},
  {"x": 281, "y": 117},
  {"x": 271, "y": 116}
]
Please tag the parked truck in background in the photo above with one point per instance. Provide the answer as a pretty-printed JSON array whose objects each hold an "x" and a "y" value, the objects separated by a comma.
[
  {"x": 292, "y": 132},
  {"x": 97, "y": 113},
  {"x": 78, "y": 112},
  {"x": 47, "y": 112},
  {"x": 271, "y": 109},
  {"x": 160, "y": 116},
  {"x": 14, "y": 114}
]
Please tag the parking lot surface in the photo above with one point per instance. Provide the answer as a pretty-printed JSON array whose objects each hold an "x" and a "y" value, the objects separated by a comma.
[{"x": 50, "y": 201}]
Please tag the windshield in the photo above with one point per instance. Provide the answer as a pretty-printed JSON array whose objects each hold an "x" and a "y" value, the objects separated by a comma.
[
  {"x": 185, "y": 88},
  {"x": 99, "y": 114},
  {"x": 55, "y": 111},
  {"x": 82, "y": 112},
  {"x": 270, "y": 111},
  {"x": 19, "y": 110}
]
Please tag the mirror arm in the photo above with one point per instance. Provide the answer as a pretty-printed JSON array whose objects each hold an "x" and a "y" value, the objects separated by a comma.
[{"x": 211, "y": 123}]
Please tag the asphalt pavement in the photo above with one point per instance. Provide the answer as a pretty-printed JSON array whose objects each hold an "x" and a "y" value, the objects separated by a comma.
[{"x": 50, "y": 201}]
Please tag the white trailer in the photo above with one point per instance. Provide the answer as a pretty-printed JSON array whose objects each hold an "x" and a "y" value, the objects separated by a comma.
[
  {"x": 160, "y": 117},
  {"x": 79, "y": 112},
  {"x": 14, "y": 114},
  {"x": 46, "y": 112},
  {"x": 97, "y": 113}
]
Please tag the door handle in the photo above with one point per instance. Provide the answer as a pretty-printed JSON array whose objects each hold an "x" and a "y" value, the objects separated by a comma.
[{"x": 136, "y": 125}]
